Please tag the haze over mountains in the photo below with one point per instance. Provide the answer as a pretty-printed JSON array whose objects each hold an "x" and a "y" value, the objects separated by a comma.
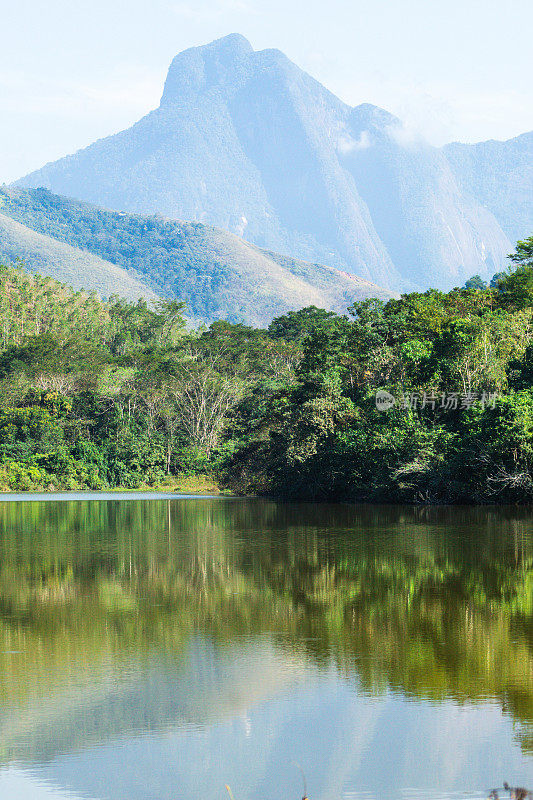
[{"x": 249, "y": 142}]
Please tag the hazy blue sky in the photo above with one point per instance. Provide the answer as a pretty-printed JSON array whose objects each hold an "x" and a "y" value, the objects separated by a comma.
[{"x": 73, "y": 71}]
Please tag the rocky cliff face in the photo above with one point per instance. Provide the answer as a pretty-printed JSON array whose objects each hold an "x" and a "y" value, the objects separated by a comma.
[
  {"x": 500, "y": 176},
  {"x": 248, "y": 142}
]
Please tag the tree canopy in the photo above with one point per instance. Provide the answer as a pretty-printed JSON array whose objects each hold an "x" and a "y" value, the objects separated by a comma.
[{"x": 114, "y": 393}]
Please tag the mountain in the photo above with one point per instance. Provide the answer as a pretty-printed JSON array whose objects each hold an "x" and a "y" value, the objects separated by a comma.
[
  {"x": 77, "y": 268},
  {"x": 215, "y": 272},
  {"x": 248, "y": 142},
  {"x": 500, "y": 176}
]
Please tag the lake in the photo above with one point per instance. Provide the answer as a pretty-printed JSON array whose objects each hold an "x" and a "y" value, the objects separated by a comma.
[{"x": 157, "y": 648}]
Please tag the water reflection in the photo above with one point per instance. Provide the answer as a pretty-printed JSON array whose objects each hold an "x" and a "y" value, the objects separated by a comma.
[{"x": 158, "y": 649}]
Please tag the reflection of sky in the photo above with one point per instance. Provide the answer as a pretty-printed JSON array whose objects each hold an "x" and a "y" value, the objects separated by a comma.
[
  {"x": 241, "y": 715},
  {"x": 115, "y": 496},
  {"x": 17, "y": 784}
]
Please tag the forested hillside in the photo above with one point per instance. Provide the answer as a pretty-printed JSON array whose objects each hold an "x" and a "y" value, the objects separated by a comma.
[
  {"x": 426, "y": 398},
  {"x": 218, "y": 275},
  {"x": 59, "y": 260}
]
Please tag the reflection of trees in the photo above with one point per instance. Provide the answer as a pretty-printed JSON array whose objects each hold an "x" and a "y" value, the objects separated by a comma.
[{"x": 435, "y": 603}]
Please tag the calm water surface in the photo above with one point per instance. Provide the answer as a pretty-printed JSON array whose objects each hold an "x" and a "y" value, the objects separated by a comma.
[{"x": 155, "y": 649}]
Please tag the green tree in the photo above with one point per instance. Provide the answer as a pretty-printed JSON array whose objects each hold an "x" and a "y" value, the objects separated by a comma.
[{"x": 475, "y": 282}]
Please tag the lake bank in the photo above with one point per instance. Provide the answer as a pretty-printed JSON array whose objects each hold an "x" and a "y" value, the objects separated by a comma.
[{"x": 180, "y": 484}]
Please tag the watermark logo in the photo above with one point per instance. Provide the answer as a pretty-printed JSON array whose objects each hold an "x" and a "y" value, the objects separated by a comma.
[
  {"x": 448, "y": 401},
  {"x": 384, "y": 400}
]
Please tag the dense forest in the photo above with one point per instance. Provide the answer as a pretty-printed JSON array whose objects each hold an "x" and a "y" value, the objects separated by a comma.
[{"x": 427, "y": 398}]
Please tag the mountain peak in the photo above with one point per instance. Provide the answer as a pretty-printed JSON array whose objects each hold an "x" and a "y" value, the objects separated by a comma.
[
  {"x": 209, "y": 64},
  {"x": 247, "y": 141},
  {"x": 372, "y": 116},
  {"x": 231, "y": 46}
]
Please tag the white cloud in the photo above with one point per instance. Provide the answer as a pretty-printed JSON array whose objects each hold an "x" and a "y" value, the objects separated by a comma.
[
  {"x": 346, "y": 144},
  {"x": 435, "y": 111},
  {"x": 445, "y": 114},
  {"x": 407, "y": 135},
  {"x": 241, "y": 226}
]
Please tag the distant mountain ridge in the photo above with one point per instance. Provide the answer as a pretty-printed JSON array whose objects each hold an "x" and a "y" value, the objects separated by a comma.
[
  {"x": 250, "y": 143},
  {"x": 500, "y": 176},
  {"x": 217, "y": 274}
]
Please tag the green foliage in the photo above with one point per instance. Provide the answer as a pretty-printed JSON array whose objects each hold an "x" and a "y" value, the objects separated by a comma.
[
  {"x": 118, "y": 394},
  {"x": 121, "y": 394},
  {"x": 516, "y": 286},
  {"x": 20, "y": 477},
  {"x": 475, "y": 282},
  {"x": 523, "y": 255},
  {"x": 496, "y": 279},
  {"x": 296, "y": 325},
  {"x": 330, "y": 440},
  {"x": 31, "y": 305}
]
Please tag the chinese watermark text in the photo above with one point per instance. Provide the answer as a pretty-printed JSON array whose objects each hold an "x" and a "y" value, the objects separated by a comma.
[{"x": 447, "y": 401}]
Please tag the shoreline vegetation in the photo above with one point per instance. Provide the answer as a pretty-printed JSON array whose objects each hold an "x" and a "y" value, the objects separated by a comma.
[
  {"x": 186, "y": 484},
  {"x": 423, "y": 399}
]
